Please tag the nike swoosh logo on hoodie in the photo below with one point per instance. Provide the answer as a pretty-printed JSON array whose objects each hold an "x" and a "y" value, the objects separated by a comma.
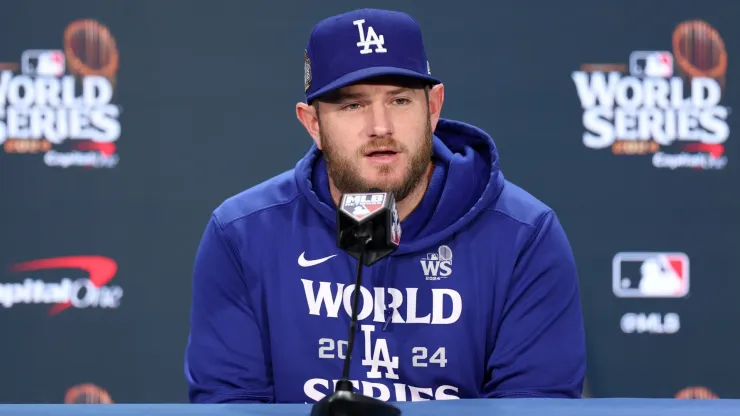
[{"x": 308, "y": 263}]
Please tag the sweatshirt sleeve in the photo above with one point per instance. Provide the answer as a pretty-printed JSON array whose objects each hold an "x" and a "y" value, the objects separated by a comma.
[
  {"x": 540, "y": 347},
  {"x": 224, "y": 358}
]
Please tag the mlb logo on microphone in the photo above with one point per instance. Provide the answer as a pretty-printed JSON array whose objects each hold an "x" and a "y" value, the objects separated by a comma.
[
  {"x": 41, "y": 62},
  {"x": 651, "y": 64},
  {"x": 359, "y": 206},
  {"x": 650, "y": 275}
]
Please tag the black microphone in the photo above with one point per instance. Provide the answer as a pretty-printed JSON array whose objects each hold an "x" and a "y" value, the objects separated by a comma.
[{"x": 368, "y": 229}]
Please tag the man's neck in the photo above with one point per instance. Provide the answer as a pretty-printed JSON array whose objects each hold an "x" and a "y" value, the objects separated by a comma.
[{"x": 405, "y": 207}]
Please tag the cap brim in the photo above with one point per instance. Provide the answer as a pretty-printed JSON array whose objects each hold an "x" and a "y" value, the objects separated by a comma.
[{"x": 366, "y": 73}]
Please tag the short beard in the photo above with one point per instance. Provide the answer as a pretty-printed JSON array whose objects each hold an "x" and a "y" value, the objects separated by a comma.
[{"x": 347, "y": 179}]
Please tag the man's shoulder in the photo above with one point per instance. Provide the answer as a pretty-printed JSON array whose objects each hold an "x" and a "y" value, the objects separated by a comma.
[
  {"x": 280, "y": 190},
  {"x": 520, "y": 206}
]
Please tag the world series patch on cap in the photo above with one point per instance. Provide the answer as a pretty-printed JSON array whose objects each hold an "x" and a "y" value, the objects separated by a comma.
[{"x": 360, "y": 44}]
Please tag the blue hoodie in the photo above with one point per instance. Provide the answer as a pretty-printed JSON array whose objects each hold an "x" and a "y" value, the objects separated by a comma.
[{"x": 480, "y": 300}]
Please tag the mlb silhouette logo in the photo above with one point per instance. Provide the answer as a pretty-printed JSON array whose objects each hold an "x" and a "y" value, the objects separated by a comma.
[
  {"x": 360, "y": 212},
  {"x": 650, "y": 275},
  {"x": 50, "y": 63},
  {"x": 655, "y": 64}
]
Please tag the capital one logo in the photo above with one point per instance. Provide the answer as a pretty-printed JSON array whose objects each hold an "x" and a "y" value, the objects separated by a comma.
[{"x": 84, "y": 284}]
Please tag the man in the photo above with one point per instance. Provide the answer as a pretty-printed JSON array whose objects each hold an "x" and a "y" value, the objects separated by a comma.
[{"x": 481, "y": 298}]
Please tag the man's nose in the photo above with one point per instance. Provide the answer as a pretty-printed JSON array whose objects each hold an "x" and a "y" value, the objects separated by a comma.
[{"x": 380, "y": 122}]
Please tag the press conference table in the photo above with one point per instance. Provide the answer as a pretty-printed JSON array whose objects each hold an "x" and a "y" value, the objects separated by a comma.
[{"x": 498, "y": 407}]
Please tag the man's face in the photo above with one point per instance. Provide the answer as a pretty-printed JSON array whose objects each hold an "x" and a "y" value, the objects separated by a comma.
[{"x": 376, "y": 136}]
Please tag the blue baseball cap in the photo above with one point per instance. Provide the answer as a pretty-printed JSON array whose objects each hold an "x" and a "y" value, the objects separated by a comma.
[{"x": 361, "y": 44}]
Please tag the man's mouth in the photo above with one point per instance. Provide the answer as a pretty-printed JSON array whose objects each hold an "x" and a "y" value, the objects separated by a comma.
[{"x": 381, "y": 153}]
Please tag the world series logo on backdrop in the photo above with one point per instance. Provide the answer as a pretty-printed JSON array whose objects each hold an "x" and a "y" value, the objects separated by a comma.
[
  {"x": 645, "y": 108},
  {"x": 59, "y": 102}
]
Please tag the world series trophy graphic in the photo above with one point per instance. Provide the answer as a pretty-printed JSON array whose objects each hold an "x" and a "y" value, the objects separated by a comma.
[{"x": 90, "y": 50}]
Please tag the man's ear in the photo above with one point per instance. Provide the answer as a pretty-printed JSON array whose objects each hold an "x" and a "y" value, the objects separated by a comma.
[
  {"x": 306, "y": 114},
  {"x": 436, "y": 99}
]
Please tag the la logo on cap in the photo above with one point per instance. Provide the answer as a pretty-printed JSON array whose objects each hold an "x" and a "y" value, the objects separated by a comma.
[{"x": 371, "y": 38}]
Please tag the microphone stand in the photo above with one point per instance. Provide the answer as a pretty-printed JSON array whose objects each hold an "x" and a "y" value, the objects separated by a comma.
[{"x": 344, "y": 401}]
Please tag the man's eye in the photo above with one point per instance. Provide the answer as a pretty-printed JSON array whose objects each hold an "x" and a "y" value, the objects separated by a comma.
[
  {"x": 401, "y": 101},
  {"x": 353, "y": 106}
]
